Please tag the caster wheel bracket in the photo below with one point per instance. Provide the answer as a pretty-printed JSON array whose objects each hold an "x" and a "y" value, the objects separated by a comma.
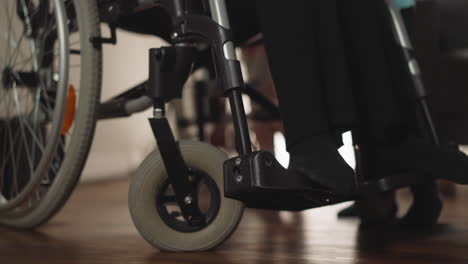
[{"x": 177, "y": 171}]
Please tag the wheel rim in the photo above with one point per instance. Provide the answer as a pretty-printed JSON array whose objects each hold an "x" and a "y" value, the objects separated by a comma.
[
  {"x": 208, "y": 201},
  {"x": 33, "y": 92}
]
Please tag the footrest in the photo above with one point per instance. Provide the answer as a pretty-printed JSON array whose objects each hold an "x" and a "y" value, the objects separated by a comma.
[
  {"x": 286, "y": 200},
  {"x": 260, "y": 181},
  {"x": 393, "y": 182}
]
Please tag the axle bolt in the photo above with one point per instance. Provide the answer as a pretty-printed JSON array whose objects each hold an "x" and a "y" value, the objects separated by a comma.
[
  {"x": 158, "y": 113},
  {"x": 239, "y": 178},
  {"x": 188, "y": 200}
]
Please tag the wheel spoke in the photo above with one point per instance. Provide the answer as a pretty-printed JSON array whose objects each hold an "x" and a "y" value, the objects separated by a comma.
[
  {"x": 11, "y": 42},
  {"x": 17, "y": 50},
  {"x": 23, "y": 62},
  {"x": 11, "y": 138},
  {"x": 13, "y": 160},
  {"x": 48, "y": 52},
  {"x": 51, "y": 25},
  {"x": 33, "y": 135},
  {"x": 29, "y": 28},
  {"x": 8, "y": 30},
  {"x": 22, "y": 124},
  {"x": 35, "y": 114},
  {"x": 3, "y": 153}
]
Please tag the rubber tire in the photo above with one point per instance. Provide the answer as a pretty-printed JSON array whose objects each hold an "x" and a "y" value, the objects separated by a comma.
[
  {"x": 142, "y": 197},
  {"x": 84, "y": 125}
]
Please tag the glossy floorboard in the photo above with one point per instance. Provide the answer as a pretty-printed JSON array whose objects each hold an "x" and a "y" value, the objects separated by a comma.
[{"x": 95, "y": 228}]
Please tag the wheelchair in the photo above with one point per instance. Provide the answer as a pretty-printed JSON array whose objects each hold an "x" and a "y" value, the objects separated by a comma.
[
  {"x": 185, "y": 196},
  {"x": 172, "y": 174}
]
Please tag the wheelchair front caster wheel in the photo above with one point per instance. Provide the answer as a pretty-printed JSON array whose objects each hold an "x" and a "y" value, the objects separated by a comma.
[{"x": 156, "y": 214}]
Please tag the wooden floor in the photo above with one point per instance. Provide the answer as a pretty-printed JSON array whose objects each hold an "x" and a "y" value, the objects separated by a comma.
[{"x": 95, "y": 227}]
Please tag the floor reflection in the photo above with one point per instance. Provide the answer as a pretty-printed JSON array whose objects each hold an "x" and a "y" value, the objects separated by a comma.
[{"x": 95, "y": 228}]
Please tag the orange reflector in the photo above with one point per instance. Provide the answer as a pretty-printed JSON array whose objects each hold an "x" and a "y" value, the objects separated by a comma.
[{"x": 69, "y": 110}]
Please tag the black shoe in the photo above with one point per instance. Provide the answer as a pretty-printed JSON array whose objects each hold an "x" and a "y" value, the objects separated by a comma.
[
  {"x": 426, "y": 207},
  {"x": 377, "y": 210},
  {"x": 320, "y": 161}
]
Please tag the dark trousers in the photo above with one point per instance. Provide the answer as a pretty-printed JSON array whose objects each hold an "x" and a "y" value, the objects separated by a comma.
[{"x": 336, "y": 66}]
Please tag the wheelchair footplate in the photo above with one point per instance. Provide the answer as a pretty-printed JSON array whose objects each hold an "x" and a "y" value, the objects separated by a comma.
[{"x": 259, "y": 181}]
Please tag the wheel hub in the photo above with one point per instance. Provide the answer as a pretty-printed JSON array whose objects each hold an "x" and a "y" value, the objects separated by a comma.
[
  {"x": 208, "y": 202},
  {"x": 7, "y": 79},
  {"x": 26, "y": 79}
]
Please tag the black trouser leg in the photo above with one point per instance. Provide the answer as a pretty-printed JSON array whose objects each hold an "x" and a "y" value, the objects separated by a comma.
[
  {"x": 294, "y": 37},
  {"x": 381, "y": 83},
  {"x": 290, "y": 39}
]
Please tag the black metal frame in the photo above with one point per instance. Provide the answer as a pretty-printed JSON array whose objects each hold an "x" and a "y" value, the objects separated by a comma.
[
  {"x": 111, "y": 10},
  {"x": 169, "y": 69}
]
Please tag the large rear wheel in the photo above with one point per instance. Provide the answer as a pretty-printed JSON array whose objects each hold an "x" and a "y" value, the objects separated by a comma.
[{"x": 49, "y": 92}]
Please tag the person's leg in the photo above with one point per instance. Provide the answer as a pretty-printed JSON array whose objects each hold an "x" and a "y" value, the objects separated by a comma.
[
  {"x": 371, "y": 52},
  {"x": 366, "y": 35},
  {"x": 383, "y": 208},
  {"x": 387, "y": 108},
  {"x": 290, "y": 32}
]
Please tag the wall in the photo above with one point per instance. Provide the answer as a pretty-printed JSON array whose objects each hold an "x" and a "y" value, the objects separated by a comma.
[{"x": 121, "y": 144}]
